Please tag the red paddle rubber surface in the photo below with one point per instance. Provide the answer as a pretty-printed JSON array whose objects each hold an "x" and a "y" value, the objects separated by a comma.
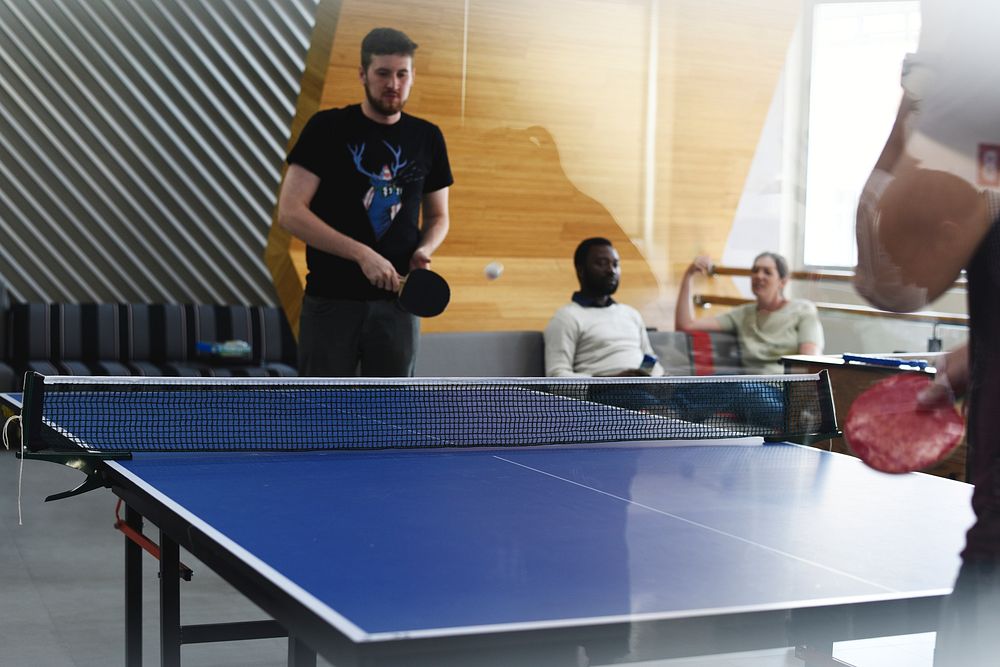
[{"x": 887, "y": 429}]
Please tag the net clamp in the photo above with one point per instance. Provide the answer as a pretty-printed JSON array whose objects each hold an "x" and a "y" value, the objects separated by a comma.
[
  {"x": 809, "y": 439},
  {"x": 86, "y": 462}
]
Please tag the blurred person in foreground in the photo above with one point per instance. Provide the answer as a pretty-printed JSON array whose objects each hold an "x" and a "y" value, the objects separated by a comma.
[{"x": 928, "y": 211}]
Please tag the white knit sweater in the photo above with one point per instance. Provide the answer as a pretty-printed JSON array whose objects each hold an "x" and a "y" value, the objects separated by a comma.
[{"x": 595, "y": 341}]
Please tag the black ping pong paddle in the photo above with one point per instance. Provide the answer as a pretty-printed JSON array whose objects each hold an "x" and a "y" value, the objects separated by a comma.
[{"x": 424, "y": 293}]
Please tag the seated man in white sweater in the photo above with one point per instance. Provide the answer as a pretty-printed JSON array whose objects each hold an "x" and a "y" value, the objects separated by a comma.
[{"x": 593, "y": 334}]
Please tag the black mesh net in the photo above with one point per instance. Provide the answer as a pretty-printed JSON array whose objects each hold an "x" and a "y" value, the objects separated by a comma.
[{"x": 158, "y": 414}]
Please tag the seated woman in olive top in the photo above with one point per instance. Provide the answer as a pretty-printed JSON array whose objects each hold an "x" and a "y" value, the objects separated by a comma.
[{"x": 768, "y": 329}]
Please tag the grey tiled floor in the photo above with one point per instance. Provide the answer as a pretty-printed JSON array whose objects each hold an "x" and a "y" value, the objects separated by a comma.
[
  {"x": 62, "y": 604},
  {"x": 61, "y": 597}
]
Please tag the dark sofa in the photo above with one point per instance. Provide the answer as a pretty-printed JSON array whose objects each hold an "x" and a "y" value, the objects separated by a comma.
[
  {"x": 522, "y": 353},
  {"x": 160, "y": 340},
  {"x": 142, "y": 339}
]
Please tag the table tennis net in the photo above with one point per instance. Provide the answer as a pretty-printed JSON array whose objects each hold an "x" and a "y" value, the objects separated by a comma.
[{"x": 230, "y": 414}]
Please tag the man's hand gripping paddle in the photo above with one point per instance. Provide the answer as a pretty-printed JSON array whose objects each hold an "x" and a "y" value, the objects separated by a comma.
[
  {"x": 888, "y": 428},
  {"x": 424, "y": 293}
]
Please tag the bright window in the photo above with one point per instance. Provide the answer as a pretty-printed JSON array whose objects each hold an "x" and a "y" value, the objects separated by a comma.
[{"x": 857, "y": 53}]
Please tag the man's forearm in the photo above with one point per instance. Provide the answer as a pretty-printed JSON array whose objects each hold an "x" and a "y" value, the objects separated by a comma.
[
  {"x": 892, "y": 152},
  {"x": 434, "y": 232},
  {"x": 308, "y": 228},
  {"x": 317, "y": 234},
  {"x": 683, "y": 310}
]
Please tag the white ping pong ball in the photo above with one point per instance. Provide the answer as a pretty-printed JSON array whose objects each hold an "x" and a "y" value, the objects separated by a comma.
[{"x": 493, "y": 270}]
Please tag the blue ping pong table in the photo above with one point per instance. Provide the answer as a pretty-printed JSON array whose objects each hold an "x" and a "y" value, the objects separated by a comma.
[{"x": 540, "y": 555}]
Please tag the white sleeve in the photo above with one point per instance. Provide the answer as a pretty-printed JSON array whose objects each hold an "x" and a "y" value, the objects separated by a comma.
[{"x": 561, "y": 336}]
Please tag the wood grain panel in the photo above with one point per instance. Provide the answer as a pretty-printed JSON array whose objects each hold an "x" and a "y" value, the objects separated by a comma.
[
  {"x": 545, "y": 115},
  {"x": 724, "y": 60},
  {"x": 284, "y": 255}
]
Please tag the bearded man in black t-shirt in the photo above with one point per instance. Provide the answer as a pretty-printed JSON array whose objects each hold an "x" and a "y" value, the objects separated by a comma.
[{"x": 358, "y": 179}]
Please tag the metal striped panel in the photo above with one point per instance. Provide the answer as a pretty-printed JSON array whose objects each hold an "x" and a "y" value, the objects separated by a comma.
[{"x": 141, "y": 145}]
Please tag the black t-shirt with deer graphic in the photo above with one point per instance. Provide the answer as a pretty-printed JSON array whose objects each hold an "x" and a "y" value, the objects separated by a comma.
[{"x": 372, "y": 181}]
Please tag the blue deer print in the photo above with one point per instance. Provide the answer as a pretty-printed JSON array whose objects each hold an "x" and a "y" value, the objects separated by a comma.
[{"x": 384, "y": 198}]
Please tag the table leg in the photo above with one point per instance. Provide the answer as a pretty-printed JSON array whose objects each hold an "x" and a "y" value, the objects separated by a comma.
[
  {"x": 133, "y": 592},
  {"x": 300, "y": 655},
  {"x": 170, "y": 602},
  {"x": 819, "y": 654}
]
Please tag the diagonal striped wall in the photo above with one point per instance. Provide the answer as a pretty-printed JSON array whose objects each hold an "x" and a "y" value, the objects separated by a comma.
[{"x": 141, "y": 145}]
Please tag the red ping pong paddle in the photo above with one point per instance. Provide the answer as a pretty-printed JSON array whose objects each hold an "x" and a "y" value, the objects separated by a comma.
[
  {"x": 424, "y": 293},
  {"x": 887, "y": 428}
]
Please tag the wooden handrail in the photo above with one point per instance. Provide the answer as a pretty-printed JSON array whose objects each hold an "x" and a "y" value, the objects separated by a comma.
[
  {"x": 831, "y": 275},
  {"x": 931, "y": 317}
]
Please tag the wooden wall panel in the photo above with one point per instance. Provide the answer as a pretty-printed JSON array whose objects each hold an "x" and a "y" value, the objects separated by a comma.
[
  {"x": 545, "y": 114},
  {"x": 284, "y": 255},
  {"x": 723, "y": 60}
]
